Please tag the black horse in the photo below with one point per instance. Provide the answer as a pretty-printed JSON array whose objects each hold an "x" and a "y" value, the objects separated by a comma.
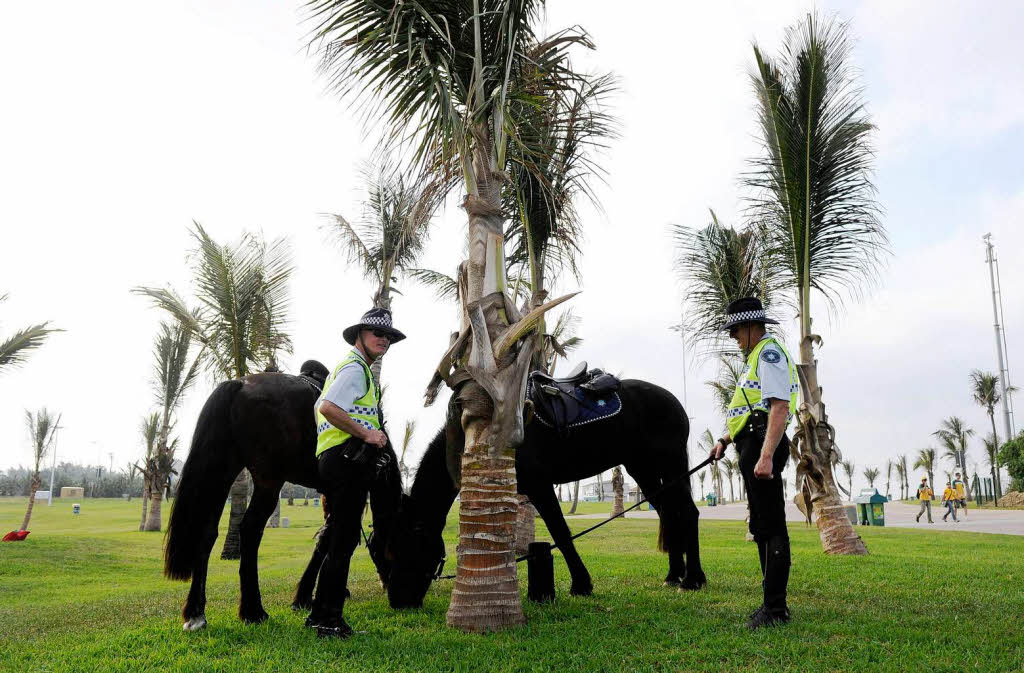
[
  {"x": 648, "y": 437},
  {"x": 264, "y": 423}
]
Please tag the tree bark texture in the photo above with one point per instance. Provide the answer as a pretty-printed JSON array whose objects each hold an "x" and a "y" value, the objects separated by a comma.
[
  {"x": 239, "y": 501},
  {"x": 575, "y": 497},
  {"x": 31, "y": 500},
  {"x": 155, "y": 499},
  {"x": 526, "y": 525}
]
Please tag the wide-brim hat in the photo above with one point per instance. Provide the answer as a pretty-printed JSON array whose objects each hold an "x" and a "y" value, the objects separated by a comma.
[
  {"x": 375, "y": 318},
  {"x": 747, "y": 309}
]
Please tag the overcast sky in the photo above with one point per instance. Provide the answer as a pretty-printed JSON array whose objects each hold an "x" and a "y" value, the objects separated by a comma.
[{"x": 124, "y": 121}]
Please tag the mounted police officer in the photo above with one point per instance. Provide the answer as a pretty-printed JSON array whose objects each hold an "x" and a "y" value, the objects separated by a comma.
[
  {"x": 349, "y": 445},
  {"x": 760, "y": 410}
]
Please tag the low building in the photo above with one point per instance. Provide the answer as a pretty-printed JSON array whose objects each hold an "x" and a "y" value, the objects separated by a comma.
[
  {"x": 603, "y": 492},
  {"x": 72, "y": 492}
]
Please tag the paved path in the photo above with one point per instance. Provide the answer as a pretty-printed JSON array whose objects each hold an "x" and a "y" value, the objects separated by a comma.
[{"x": 1007, "y": 522}]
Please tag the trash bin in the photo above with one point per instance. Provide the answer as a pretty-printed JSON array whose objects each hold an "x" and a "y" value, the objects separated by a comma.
[
  {"x": 712, "y": 499},
  {"x": 76, "y": 508},
  {"x": 870, "y": 507}
]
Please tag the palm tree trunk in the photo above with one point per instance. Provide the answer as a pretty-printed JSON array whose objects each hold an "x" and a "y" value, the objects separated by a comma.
[
  {"x": 486, "y": 592},
  {"x": 145, "y": 502},
  {"x": 526, "y": 525},
  {"x": 153, "y": 522},
  {"x": 275, "y": 517},
  {"x": 617, "y": 483},
  {"x": 732, "y": 496},
  {"x": 33, "y": 487},
  {"x": 575, "y": 497},
  {"x": 995, "y": 459},
  {"x": 239, "y": 501}
]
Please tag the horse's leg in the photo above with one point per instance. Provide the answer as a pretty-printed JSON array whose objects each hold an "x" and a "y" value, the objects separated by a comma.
[
  {"x": 543, "y": 498},
  {"x": 264, "y": 500},
  {"x": 304, "y": 591},
  {"x": 668, "y": 525},
  {"x": 694, "y": 577},
  {"x": 194, "y": 612}
]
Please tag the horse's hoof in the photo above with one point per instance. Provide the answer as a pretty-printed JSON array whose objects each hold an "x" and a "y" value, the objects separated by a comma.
[
  {"x": 671, "y": 582},
  {"x": 255, "y": 617},
  {"x": 302, "y": 606},
  {"x": 693, "y": 583},
  {"x": 194, "y": 624},
  {"x": 582, "y": 590}
]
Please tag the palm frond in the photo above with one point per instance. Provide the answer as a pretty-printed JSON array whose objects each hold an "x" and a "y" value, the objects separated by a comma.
[
  {"x": 811, "y": 188},
  {"x": 15, "y": 349},
  {"x": 718, "y": 265},
  {"x": 42, "y": 427},
  {"x": 173, "y": 374},
  {"x": 444, "y": 286}
]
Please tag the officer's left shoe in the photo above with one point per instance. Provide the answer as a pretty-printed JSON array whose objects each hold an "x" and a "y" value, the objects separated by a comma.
[{"x": 763, "y": 617}]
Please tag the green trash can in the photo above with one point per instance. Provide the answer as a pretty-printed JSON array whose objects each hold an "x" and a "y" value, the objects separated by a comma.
[
  {"x": 870, "y": 507},
  {"x": 712, "y": 499}
]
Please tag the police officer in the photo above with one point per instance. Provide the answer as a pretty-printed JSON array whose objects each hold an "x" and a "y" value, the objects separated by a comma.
[
  {"x": 762, "y": 406},
  {"x": 349, "y": 444}
]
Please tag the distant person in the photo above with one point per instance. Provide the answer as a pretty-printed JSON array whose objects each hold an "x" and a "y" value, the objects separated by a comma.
[
  {"x": 949, "y": 499},
  {"x": 961, "y": 493},
  {"x": 925, "y": 495}
]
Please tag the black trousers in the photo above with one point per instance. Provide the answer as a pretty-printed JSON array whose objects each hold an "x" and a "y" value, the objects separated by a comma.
[
  {"x": 346, "y": 475},
  {"x": 765, "y": 496},
  {"x": 767, "y": 512}
]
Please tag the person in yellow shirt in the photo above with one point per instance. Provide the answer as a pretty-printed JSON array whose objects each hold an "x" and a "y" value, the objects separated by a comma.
[
  {"x": 961, "y": 493},
  {"x": 925, "y": 495},
  {"x": 949, "y": 499}
]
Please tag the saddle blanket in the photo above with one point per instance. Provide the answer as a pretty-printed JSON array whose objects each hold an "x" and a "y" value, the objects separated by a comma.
[{"x": 590, "y": 409}]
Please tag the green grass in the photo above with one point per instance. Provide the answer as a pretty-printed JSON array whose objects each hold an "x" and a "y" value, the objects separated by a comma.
[{"x": 85, "y": 594}]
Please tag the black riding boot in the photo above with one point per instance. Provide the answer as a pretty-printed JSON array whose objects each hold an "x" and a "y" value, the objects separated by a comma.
[
  {"x": 762, "y": 552},
  {"x": 776, "y": 579}
]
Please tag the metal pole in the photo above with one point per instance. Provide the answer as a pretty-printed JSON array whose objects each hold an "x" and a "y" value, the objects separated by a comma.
[
  {"x": 1008, "y": 399},
  {"x": 990, "y": 259}
]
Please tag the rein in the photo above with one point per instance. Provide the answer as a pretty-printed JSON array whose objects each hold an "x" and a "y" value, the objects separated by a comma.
[{"x": 440, "y": 566}]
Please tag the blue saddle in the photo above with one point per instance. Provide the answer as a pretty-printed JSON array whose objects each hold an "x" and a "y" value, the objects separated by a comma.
[{"x": 582, "y": 398}]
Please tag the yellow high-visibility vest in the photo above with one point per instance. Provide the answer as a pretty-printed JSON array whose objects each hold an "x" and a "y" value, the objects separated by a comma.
[
  {"x": 364, "y": 410},
  {"x": 747, "y": 397}
]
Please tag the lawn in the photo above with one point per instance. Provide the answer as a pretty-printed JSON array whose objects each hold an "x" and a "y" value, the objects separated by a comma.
[{"x": 85, "y": 593}]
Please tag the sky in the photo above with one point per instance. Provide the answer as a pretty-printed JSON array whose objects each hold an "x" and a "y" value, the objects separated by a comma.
[{"x": 123, "y": 122}]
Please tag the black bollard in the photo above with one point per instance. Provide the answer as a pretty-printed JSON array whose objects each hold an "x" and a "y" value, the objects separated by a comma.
[{"x": 540, "y": 573}]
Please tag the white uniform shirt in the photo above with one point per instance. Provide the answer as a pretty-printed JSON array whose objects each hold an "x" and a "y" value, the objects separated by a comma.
[
  {"x": 773, "y": 372},
  {"x": 349, "y": 385}
]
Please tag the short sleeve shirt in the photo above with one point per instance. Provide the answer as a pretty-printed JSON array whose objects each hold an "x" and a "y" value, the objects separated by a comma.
[
  {"x": 773, "y": 372},
  {"x": 349, "y": 385}
]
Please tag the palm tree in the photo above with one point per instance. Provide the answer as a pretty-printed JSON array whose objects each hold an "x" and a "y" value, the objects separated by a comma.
[
  {"x": 462, "y": 83},
  {"x": 15, "y": 348},
  {"x": 888, "y": 476},
  {"x": 849, "y": 468},
  {"x": 150, "y": 431},
  {"x": 992, "y": 454},
  {"x": 617, "y": 485},
  {"x": 575, "y": 497},
  {"x": 701, "y": 476},
  {"x": 871, "y": 473},
  {"x": 42, "y": 428},
  {"x": 173, "y": 374},
  {"x": 953, "y": 437},
  {"x": 986, "y": 391},
  {"x": 391, "y": 236},
  {"x": 904, "y": 471},
  {"x": 926, "y": 461},
  {"x": 242, "y": 290},
  {"x": 813, "y": 196},
  {"x": 730, "y": 469},
  {"x": 720, "y": 265}
]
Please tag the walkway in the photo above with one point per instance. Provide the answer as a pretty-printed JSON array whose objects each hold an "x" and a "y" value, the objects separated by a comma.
[{"x": 1007, "y": 522}]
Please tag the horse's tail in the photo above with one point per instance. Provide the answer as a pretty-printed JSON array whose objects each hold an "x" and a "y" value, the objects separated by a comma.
[
  {"x": 675, "y": 474},
  {"x": 203, "y": 487}
]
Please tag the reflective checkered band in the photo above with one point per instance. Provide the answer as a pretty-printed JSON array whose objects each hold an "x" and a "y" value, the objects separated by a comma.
[
  {"x": 752, "y": 385},
  {"x": 381, "y": 320},
  {"x": 363, "y": 411},
  {"x": 739, "y": 411},
  {"x": 744, "y": 316}
]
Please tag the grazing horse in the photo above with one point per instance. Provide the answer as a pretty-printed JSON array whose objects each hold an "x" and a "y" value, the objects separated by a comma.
[
  {"x": 263, "y": 423},
  {"x": 648, "y": 437}
]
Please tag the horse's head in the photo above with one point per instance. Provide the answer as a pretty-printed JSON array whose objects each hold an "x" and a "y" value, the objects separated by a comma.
[
  {"x": 385, "y": 504},
  {"x": 416, "y": 555}
]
